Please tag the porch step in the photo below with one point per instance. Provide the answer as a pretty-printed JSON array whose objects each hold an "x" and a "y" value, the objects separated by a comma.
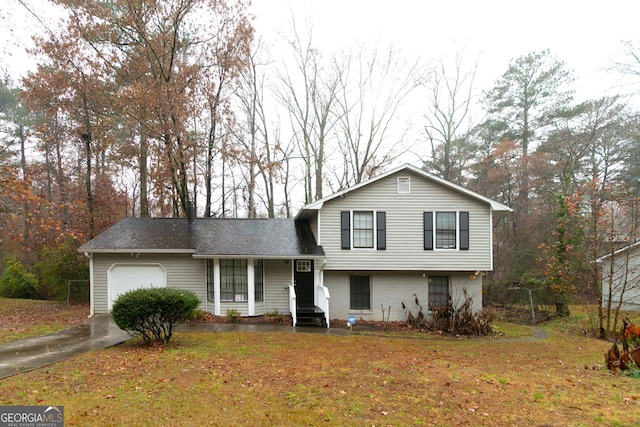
[{"x": 310, "y": 317}]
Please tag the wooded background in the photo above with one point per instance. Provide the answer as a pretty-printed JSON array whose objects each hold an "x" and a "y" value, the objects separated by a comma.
[{"x": 138, "y": 108}]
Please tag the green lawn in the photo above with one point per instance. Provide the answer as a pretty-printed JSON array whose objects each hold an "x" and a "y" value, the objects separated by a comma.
[{"x": 281, "y": 379}]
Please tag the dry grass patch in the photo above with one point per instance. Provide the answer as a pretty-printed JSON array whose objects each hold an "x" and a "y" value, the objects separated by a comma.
[
  {"x": 27, "y": 318},
  {"x": 262, "y": 379}
]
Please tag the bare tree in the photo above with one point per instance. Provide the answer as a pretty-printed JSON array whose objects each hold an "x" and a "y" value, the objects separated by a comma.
[
  {"x": 371, "y": 90},
  {"x": 448, "y": 120},
  {"x": 309, "y": 96},
  {"x": 629, "y": 66}
]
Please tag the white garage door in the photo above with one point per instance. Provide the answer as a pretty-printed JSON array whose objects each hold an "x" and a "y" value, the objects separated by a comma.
[{"x": 123, "y": 278}]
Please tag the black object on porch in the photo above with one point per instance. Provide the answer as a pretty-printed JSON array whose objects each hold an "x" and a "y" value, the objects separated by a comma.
[{"x": 310, "y": 316}]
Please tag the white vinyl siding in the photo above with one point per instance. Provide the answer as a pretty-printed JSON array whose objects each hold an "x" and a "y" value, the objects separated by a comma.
[
  {"x": 624, "y": 281},
  {"x": 185, "y": 272},
  {"x": 277, "y": 278},
  {"x": 404, "y": 228},
  {"x": 182, "y": 271}
]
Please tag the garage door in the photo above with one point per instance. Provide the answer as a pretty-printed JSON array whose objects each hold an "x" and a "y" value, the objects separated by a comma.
[{"x": 124, "y": 277}]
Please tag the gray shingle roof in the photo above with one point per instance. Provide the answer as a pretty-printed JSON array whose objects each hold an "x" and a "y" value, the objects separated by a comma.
[{"x": 209, "y": 236}]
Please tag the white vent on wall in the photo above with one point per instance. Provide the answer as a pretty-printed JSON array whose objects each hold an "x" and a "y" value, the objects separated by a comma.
[{"x": 404, "y": 185}]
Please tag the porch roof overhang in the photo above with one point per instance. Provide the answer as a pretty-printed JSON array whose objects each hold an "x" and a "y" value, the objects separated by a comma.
[{"x": 259, "y": 256}]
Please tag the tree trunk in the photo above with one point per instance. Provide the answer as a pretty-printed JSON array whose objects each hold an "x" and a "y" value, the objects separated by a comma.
[
  {"x": 86, "y": 138},
  {"x": 144, "y": 176}
]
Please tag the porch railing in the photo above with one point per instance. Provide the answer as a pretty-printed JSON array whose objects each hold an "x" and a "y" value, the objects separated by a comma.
[
  {"x": 292, "y": 303},
  {"x": 322, "y": 298}
]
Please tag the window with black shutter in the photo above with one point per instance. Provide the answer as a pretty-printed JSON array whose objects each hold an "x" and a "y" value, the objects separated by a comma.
[
  {"x": 428, "y": 230},
  {"x": 345, "y": 229},
  {"x": 381, "y": 230},
  {"x": 464, "y": 231},
  {"x": 446, "y": 230}
]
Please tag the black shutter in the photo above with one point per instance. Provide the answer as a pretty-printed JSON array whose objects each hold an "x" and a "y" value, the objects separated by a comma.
[
  {"x": 381, "y": 225},
  {"x": 464, "y": 231},
  {"x": 345, "y": 229},
  {"x": 428, "y": 231}
]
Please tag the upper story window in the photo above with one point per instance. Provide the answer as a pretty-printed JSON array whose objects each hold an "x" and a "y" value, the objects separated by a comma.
[
  {"x": 446, "y": 226},
  {"x": 363, "y": 229},
  {"x": 446, "y": 230},
  {"x": 404, "y": 185}
]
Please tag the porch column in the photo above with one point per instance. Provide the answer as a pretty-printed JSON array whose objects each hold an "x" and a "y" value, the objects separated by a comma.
[
  {"x": 92, "y": 290},
  {"x": 216, "y": 286},
  {"x": 251, "y": 288}
]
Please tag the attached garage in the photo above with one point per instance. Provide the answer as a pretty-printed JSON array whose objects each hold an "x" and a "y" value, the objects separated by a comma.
[{"x": 125, "y": 277}]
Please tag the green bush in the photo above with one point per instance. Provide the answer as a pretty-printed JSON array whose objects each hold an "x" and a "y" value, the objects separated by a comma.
[
  {"x": 233, "y": 315},
  {"x": 17, "y": 282},
  {"x": 154, "y": 313}
]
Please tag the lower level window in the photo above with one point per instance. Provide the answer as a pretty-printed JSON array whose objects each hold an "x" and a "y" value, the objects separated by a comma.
[
  {"x": 233, "y": 280},
  {"x": 438, "y": 291},
  {"x": 360, "y": 292}
]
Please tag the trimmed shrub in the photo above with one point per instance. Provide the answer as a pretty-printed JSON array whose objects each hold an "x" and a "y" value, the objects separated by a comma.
[
  {"x": 154, "y": 313},
  {"x": 17, "y": 282}
]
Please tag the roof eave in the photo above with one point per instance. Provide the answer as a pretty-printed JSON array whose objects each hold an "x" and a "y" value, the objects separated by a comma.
[
  {"x": 135, "y": 250},
  {"x": 617, "y": 252},
  {"x": 261, "y": 256}
]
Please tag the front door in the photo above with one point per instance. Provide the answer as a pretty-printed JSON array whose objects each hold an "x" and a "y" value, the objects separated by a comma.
[{"x": 303, "y": 277}]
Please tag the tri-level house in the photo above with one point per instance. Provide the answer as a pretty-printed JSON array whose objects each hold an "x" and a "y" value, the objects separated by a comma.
[{"x": 362, "y": 252}]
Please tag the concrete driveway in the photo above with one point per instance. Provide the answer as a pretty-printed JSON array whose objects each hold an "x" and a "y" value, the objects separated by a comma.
[{"x": 32, "y": 353}]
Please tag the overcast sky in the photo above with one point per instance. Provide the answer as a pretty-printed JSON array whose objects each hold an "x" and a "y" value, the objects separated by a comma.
[{"x": 585, "y": 34}]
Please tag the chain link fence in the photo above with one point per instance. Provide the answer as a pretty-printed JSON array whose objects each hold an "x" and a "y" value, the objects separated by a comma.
[{"x": 78, "y": 291}]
